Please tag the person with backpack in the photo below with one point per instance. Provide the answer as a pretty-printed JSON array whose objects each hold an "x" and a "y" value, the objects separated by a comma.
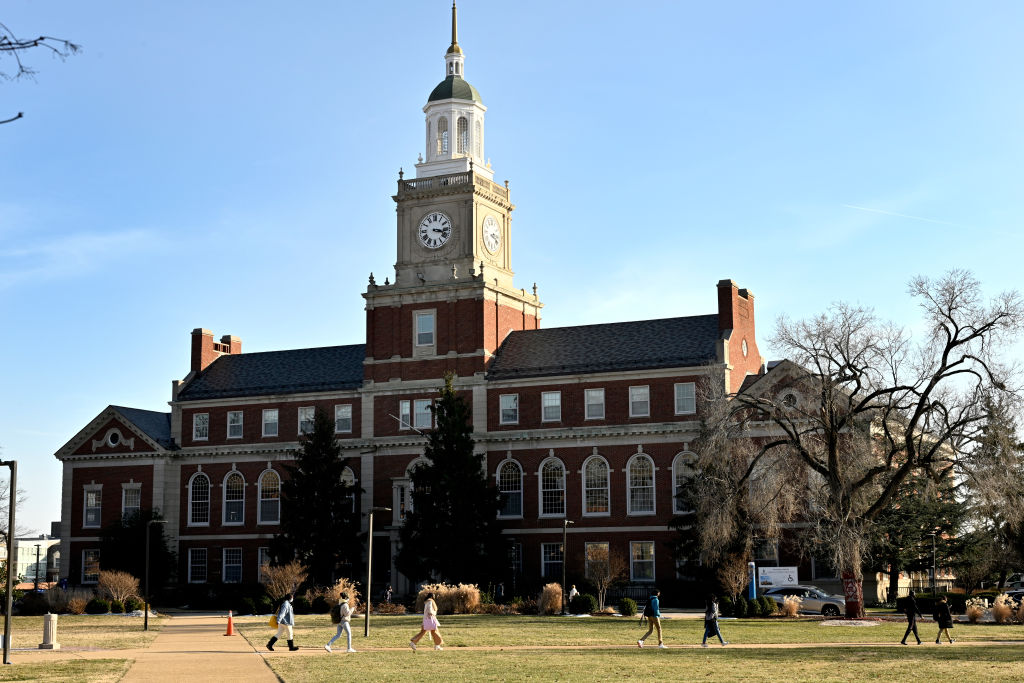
[
  {"x": 653, "y": 614},
  {"x": 341, "y": 614},
  {"x": 913, "y": 612},
  {"x": 285, "y": 621},
  {"x": 711, "y": 622}
]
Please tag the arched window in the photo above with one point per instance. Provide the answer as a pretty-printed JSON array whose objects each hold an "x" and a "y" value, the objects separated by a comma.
[
  {"x": 682, "y": 474},
  {"x": 199, "y": 499},
  {"x": 463, "y": 139},
  {"x": 478, "y": 140},
  {"x": 442, "y": 135},
  {"x": 640, "y": 485},
  {"x": 348, "y": 478},
  {"x": 552, "y": 488},
  {"x": 270, "y": 498},
  {"x": 234, "y": 498},
  {"x": 430, "y": 137},
  {"x": 595, "y": 486},
  {"x": 510, "y": 486}
]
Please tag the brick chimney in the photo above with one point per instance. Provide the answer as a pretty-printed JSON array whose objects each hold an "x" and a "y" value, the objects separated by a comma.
[
  {"x": 736, "y": 325},
  {"x": 205, "y": 350}
]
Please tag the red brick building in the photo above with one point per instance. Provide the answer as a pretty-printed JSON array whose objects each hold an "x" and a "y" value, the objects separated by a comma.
[{"x": 591, "y": 424}]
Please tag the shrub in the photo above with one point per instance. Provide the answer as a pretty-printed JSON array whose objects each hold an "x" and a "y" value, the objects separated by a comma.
[
  {"x": 248, "y": 606},
  {"x": 57, "y": 599},
  {"x": 319, "y": 605},
  {"x": 394, "y": 608},
  {"x": 116, "y": 607},
  {"x": 459, "y": 599},
  {"x": 584, "y": 603},
  {"x": 332, "y": 594},
  {"x": 97, "y": 606},
  {"x": 33, "y": 605},
  {"x": 301, "y": 605},
  {"x": 550, "y": 599},
  {"x": 975, "y": 609},
  {"x": 77, "y": 605},
  {"x": 284, "y": 579},
  {"x": 791, "y": 605},
  {"x": 726, "y": 607},
  {"x": 264, "y": 605},
  {"x": 627, "y": 607},
  {"x": 768, "y": 606},
  {"x": 117, "y": 586},
  {"x": 1002, "y": 609},
  {"x": 739, "y": 609},
  {"x": 527, "y": 606},
  {"x": 133, "y": 605}
]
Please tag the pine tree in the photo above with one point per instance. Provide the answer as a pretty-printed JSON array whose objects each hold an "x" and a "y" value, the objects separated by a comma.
[
  {"x": 319, "y": 526},
  {"x": 452, "y": 532}
]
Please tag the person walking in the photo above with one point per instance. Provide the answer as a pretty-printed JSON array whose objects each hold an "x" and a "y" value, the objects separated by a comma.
[
  {"x": 430, "y": 624},
  {"x": 285, "y": 622},
  {"x": 573, "y": 592},
  {"x": 913, "y": 612},
  {"x": 944, "y": 619},
  {"x": 711, "y": 622},
  {"x": 387, "y": 594},
  {"x": 344, "y": 612},
  {"x": 653, "y": 613}
]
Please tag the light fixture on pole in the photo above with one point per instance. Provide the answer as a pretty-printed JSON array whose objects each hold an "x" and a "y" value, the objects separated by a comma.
[
  {"x": 12, "y": 500},
  {"x": 369, "y": 569},
  {"x": 565, "y": 527},
  {"x": 932, "y": 534},
  {"x": 145, "y": 589}
]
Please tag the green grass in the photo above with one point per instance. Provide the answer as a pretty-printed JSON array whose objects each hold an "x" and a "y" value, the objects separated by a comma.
[
  {"x": 86, "y": 670},
  {"x": 104, "y": 631}
]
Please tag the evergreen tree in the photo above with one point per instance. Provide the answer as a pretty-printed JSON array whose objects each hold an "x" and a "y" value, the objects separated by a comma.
[
  {"x": 123, "y": 548},
  {"x": 319, "y": 523},
  {"x": 452, "y": 532}
]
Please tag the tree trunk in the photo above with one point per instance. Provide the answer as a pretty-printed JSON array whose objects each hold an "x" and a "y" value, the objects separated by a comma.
[
  {"x": 853, "y": 588},
  {"x": 894, "y": 582}
]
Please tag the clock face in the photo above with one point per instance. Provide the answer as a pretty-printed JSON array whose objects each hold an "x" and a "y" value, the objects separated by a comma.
[
  {"x": 434, "y": 230},
  {"x": 492, "y": 234}
]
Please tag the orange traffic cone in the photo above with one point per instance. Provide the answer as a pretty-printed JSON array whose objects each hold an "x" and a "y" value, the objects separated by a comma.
[{"x": 231, "y": 625}]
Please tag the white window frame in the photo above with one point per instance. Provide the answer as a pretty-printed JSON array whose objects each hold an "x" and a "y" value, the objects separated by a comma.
[
  {"x": 629, "y": 486},
  {"x": 193, "y": 554},
  {"x": 501, "y": 409},
  {"x": 405, "y": 414},
  {"x": 540, "y": 488},
  {"x": 607, "y": 487},
  {"x": 98, "y": 507},
  {"x": 499, "y": 480},
  {"x": 683, "y": 459},
  {"x": 135, "y": 488},
  {"x": 342, "y": 413},
  {"x": 418, "y": 407},
  {"x": 240, "y": 424},
  {"x": 348, "y": 478},
  {"x": 237, "y": 564},
  {"x": 633, "y": 562},
  {"x": 260, "y": 499},
  {"x": 262, "y": 557},
  {"x": 267, "y": 413},
  {"x": 225, "y": 501},
  {"x": 544, "y": 562},
  {"x": 544, "y": 406},
  {"x": 681, "y": 386},
  {"x": 515, "y": 558},
  {"x": 85, "y": 554},
  {"x": 638, "y": 391},
  {"x": 417, "y": 316},
  {"x": 200, "y": 426},
  {"x": 588, "y": 394},
  {"x": 209, "y": 499},
  {"x": 306, "y": 415}
]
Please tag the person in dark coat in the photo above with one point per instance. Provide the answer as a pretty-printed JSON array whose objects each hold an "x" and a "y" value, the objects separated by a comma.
[
  {"x": 944, "y": 619},
  {"x": 912, "y": 611},
  {"x": 711, "y": 622}
]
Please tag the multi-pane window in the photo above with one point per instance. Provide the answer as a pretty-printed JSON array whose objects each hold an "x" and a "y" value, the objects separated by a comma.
[
  {"x": 640, "y": 483},
  {"x": 766, "y": 550},
  {"x": 552, "y": 488},
  {"x": 201, "y": 426},
  {"x": 478, "y": 137},
  {"x": 93, "y": 501},
  {"x": 686, "y": 400},
  {"x": 234, "y": 499},
  {"x": 463, "y": 130},
  {"x": 442, "y": 135},
  {"x": 131, "y": 500},
  {"x": 594, "y": 401},
  {"x": 509, "y": 406},
  {"x": 595, "y": 486},
  {"x": 422, "y": 417},
  {"x": 551, "y": 406},
  {"x": 424, "y": 328},
  {"x": 510, "y": 488},
  {"x": 199, "y": 500},
  {"x": 270, "y": 422},
  {"x": 405, "y": 414},
  {"x": 262, "y": 561},
  {"x": 348, "y": 480},
  {"x": 682, "y": 475},
  {"x": 641, "y": 561},
  {"x": 197, "y": 565},
  {"x": 231, "y": 570},
  {"x": 234, "y": 424},
  {"x": 515, "y": 558},
  {"x": 343, "y": 418},
  {"x": 551, "y": 558},
  {"x": 306, "y": 419},
  {"x": 91, "y": 565},
  {"x": 639, "y": 401},
  {"x": 598, "y": 560},
  {"x": 270, "y": 498}
]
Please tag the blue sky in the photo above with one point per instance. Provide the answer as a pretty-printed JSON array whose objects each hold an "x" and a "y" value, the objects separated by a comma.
[{"x": 230, "y": 165}]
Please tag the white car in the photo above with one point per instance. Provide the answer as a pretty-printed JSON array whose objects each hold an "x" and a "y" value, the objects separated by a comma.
[{"x": 813, "y": 600}]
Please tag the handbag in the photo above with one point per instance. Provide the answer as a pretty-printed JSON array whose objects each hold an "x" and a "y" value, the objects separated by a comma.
[{"x": 273, "y": 621}]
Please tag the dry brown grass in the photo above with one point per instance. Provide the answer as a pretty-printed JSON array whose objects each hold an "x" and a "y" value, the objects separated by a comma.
[
  {"x": 332, "y": 594},
  {"x": 791, "y": 605},
  {"x": 118, "y": 586},
  {"x": 1002, "y": 609},
  {"x": 463, "y": 598},
  {"x": 550, "y": 599}
]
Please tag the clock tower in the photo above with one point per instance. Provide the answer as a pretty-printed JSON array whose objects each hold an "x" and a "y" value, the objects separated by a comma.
[{"x": 453, "y": 300}]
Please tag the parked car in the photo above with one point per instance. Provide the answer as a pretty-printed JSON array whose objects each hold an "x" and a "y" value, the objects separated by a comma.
[{"x": 815, "y": 600}]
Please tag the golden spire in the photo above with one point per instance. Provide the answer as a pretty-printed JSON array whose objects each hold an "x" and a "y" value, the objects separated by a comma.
[{"x": 455, "y": 32}]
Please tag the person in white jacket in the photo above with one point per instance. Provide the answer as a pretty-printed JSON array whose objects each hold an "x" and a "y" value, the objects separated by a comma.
[{"x": 345, "y": 612}]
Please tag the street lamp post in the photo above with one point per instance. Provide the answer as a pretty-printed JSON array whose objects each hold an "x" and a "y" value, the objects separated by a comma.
[
  {"x": 369, "y": 569},
  {"x": 12, "y": 504},
  {"x": 565, "y": 527},
  {"x": 932, "y": 534},
  {"x": 36, "y": 570},
  {"x": 145, "y": 590}
]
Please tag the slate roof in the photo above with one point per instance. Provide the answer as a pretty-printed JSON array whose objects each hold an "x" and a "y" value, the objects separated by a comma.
[
  {"x": 156, "y": 426},
  {"x": 279, "y": 372},
  {"x": 638, "y": 345}
]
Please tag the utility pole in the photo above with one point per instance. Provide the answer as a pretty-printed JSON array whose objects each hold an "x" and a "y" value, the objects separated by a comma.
[{"x": 12, "y": 501}]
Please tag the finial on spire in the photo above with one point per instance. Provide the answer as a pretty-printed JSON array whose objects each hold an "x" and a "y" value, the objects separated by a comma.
[{"x": 455, "y": 32}]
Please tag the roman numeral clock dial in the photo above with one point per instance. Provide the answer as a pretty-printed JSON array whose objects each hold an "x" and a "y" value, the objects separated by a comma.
[{"x": 434, "y": 230}]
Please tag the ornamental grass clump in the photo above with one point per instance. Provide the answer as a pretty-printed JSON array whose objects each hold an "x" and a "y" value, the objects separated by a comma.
[
  {"x": 550, "y": 599},
  {"x": 975, "y": 610},
  {"x": 463, "y": 598},
  {"x": 1002, "y": 609},
  {"x": 791, "y": 605},
  {"x": 332, "y": 594}
]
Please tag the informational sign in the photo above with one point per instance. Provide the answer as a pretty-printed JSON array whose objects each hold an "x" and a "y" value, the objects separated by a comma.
[{"x": 769, "y": 577}]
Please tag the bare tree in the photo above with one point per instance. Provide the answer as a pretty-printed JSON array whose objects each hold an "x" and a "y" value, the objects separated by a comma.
[
  {"x": 282, "y": 580},
  {"x": 12, "y": 47},
  {"x": 118, "y": 585},
  {"x": 605, "y": 569},
  {"x": 878, "y": 407}
]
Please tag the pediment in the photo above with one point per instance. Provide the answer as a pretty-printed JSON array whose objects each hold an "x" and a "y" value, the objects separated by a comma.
[{"x": 111, "y": 433}]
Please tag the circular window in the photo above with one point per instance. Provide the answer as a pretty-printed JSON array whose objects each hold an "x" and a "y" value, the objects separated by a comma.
[
  {"x": 789, "y": 400},
  {"x": 113, "y": 438}
]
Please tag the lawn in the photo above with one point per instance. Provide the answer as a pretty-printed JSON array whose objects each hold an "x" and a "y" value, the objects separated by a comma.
[
  {"x": 85, "y": 670},
  {"x": 513, "y": 637},
  {"x": 102, "y": 631}
]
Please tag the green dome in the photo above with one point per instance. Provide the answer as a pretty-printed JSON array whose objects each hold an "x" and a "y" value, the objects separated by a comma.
[{"x": 454, "y": 87}]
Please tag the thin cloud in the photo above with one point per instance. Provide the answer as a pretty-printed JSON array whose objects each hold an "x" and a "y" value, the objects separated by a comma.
[{"x": 902, "y": 215}]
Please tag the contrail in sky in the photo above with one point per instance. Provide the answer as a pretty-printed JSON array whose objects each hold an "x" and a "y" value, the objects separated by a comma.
[{"x": 902, "y": 215}]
